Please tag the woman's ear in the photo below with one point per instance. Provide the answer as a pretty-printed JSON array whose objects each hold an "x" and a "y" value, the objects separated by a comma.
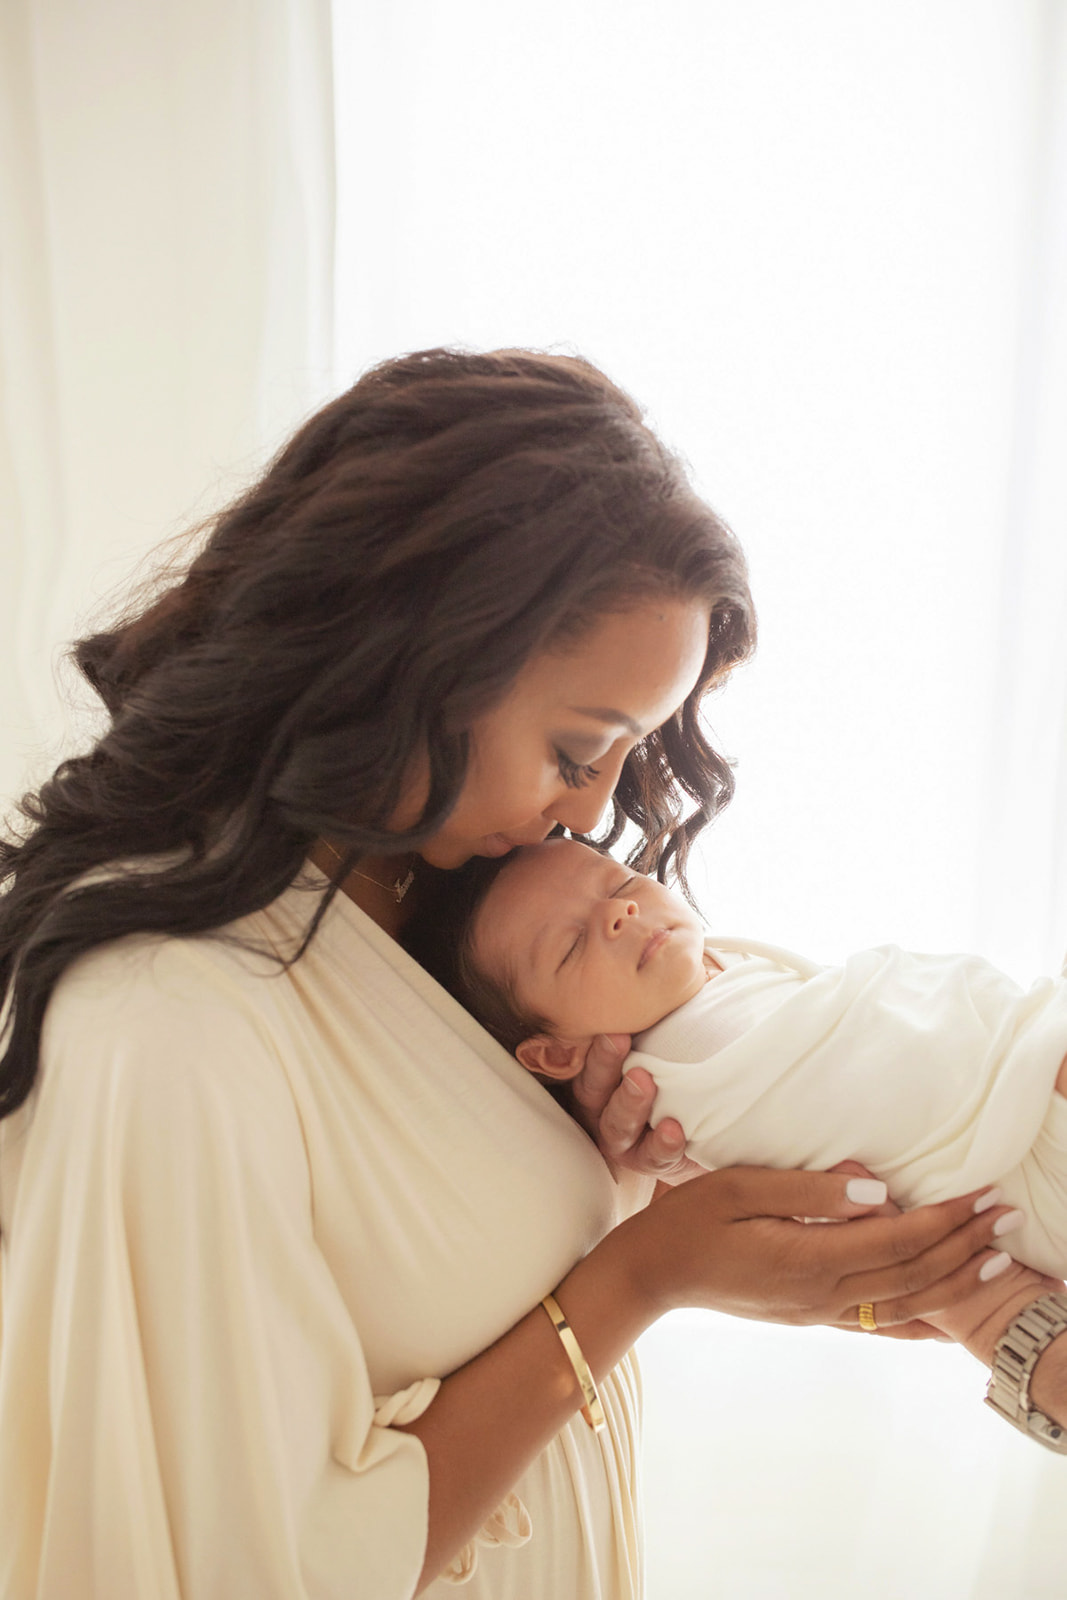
[{"x": 552, "y": 1058}]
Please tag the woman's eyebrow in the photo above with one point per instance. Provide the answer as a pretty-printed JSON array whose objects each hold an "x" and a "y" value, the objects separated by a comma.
[{"x": 608, "y": 714}]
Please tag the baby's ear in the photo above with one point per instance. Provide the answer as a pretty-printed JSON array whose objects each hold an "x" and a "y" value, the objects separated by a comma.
[{"x": 552, "y": 1058}]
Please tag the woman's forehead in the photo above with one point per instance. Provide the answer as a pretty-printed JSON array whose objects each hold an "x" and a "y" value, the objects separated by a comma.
[{"x": 628, "y": 670}]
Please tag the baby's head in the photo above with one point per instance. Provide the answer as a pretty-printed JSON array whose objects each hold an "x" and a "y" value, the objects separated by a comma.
[{"x": 565, "y": 943}]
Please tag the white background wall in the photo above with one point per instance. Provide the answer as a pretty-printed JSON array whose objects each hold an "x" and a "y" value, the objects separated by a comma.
[{"x": 804, "y": 236}]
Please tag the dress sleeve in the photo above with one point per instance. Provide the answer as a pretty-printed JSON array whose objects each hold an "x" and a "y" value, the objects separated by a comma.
[{"x": 185, "y": 1408}]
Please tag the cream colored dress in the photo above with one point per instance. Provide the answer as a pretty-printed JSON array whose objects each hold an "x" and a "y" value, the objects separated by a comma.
[{"x": 251, "y": 1219}]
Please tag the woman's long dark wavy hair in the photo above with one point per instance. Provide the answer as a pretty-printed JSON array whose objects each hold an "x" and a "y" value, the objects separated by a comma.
[{"x": 417, "y": 541}]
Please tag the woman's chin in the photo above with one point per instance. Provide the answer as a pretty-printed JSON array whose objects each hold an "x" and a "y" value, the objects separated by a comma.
[
  {"x": 447, "y": 857},
  {"x": 451, "y": 853}
]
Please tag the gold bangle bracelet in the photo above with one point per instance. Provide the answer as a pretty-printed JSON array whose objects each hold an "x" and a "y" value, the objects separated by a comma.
[{"x": 592, "y": 1410}]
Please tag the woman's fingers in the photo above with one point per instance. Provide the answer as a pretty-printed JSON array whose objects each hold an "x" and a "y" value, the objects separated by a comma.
[
  {"x": 939, "y": 1236},
  {"x": 624, "y": 1116},
  {"x": 944, "y": 1291},
  {"x": 768, "y": 1192},
  {"x": 616, "y": 1113},
  {"x": 660, "y": 1154},
  {"x": 908, "y": 1266},
  {"x": 625, "y": 1137},
  {"x": 913, "y": 1267},
  {"x": 597, "y": 1085},
  {"x": 735, "y": 1241},
  {"x": 854, "y": 1170},
  {"x": 959, "y": 1299},
  {"x": 916, "y": 1329}
]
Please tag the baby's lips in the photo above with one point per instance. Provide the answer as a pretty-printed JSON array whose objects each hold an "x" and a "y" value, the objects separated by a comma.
[{"x": 652, "y": 944}]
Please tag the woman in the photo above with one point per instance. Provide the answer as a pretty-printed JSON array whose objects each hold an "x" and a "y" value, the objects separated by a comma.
[{"x": 277, "y": 1215}]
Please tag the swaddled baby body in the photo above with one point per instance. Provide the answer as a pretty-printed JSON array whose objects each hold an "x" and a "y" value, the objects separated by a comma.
[{"x": 939, "y": 1073}]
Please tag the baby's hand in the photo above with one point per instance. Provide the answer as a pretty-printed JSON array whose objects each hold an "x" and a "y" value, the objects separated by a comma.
[{"x": 616, "y": 1113}]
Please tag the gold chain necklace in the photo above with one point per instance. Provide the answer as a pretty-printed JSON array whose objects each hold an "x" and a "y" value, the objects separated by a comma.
[{"x": 398, "y": 888}]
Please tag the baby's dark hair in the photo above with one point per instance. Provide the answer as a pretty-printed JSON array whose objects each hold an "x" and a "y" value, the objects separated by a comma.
[{"x": 440, "y": 937}]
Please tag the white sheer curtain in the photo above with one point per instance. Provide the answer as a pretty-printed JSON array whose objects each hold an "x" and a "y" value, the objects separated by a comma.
[
  {"x": 166, "y": 212},
  {"x": 1027, "y": 903},
  {"x": 825, "y": 244}
]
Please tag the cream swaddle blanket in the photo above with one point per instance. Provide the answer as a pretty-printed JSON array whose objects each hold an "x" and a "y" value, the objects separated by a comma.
[{"x": 937, "y": 1072}]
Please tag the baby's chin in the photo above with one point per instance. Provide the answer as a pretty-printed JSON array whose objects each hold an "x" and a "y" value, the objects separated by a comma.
[{"x": 690, "y": 983}]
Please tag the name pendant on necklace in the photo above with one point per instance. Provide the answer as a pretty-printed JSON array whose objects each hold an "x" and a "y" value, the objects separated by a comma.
[
  {"x": 398, "y": 888},
  {"x": 402, "y": 885}
]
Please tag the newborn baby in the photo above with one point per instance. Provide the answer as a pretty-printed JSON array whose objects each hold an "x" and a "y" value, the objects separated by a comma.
[{"x": 937, "y": 1072}]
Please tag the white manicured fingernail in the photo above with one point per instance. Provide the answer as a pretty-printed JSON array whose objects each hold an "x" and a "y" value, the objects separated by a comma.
[
  {"x": 1010, "y": 1220},
  {"x": 866, "y": 1191},
  {"x": 994, "y": 1266},
  {"x": 984, "y": 1201}
]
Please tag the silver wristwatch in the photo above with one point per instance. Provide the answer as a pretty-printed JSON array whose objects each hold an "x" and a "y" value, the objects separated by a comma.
[{"x": 1014, "y": 1360}]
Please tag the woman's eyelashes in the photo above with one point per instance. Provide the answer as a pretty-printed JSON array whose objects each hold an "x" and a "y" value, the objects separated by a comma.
[{"x": 573, "y": 773}]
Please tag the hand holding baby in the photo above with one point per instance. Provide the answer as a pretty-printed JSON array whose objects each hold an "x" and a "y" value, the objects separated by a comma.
[{"x": 616, "y": 1112}]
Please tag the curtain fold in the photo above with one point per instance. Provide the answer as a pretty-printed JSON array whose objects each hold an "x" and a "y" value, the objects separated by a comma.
[
  {"x": 166, "y": 284},
  {"x": 1026, "y": 819}
]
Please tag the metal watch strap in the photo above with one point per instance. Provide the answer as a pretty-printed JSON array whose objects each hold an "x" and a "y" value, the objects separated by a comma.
[{"x": 1014, "y": 1359}]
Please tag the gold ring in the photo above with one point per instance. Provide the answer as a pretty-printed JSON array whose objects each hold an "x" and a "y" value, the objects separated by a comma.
[{"x": 867, "y": 1321}]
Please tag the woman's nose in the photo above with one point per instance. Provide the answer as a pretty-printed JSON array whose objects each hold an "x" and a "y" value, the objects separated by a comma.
[
  {"x": 617, "y": 914},
  {"x": 580, "y": 810}
]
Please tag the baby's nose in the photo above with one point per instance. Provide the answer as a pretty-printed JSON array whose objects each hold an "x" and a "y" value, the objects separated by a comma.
[{"x": 619, "y": 913}]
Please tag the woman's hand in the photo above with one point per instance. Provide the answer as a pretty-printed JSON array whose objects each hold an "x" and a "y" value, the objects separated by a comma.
[
  {"x": 730, "y": 1241},
  {"x": 917, "y": 1328},
  {"x": 978, "y": 1320},
  {"x": 910, "y": 1266},
  {"x": 615, "y": 1110}
]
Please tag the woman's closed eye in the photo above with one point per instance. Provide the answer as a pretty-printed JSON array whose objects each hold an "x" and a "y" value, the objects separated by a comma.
[{"x": 574, "y": 774}]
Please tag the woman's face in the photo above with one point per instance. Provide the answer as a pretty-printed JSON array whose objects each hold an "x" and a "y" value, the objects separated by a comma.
[{"x": 552, "y": 750}]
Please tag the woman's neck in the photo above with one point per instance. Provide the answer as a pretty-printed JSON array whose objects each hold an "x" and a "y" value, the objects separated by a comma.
[{"x": 376, "y": 884}]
